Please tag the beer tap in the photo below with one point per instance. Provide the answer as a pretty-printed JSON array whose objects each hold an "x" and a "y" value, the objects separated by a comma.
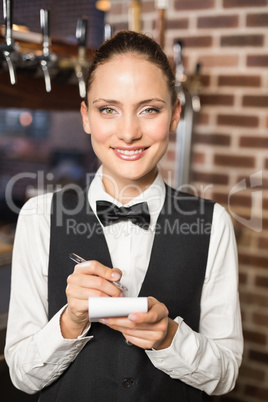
[
  {"x": 81, "y": 36},
  {"x": 180, "y": 74},
  {"x": 8, "y": 47},
  {"x": 46, "y": 55}
]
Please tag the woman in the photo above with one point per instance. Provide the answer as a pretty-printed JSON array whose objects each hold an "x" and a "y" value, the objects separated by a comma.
[{"x": 183, "y": 259}]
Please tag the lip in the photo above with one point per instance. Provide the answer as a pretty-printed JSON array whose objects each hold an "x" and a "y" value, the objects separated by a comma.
[{"x": 129, "y": 153}]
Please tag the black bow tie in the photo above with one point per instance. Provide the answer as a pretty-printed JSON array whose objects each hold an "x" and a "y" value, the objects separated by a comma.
[{"x": 109, "y": 213}]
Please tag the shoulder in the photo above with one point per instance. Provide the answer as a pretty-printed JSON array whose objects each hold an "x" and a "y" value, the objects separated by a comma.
[
  {"x": 187, "y": 203},
  {"x": 38, "y": 205}
]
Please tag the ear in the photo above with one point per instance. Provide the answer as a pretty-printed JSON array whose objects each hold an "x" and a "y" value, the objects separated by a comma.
[
  {"x": 175, "y": 116},
  {"x": 84, "y": 114}
]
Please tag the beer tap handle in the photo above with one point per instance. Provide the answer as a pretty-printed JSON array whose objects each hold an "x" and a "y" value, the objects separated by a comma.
[
  {"x": 81, "y": 31},
  {"x": 45, "y": 28},
  {"x": 81, "y": 36},
  {"x": 179, "y": 74},
  {"x": 7, "y": 8},
  {"x": 44, "y": 22},
  {"x": 8, "y": 47}
]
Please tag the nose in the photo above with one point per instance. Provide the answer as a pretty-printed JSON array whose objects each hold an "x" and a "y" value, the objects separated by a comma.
[{"x": 130, "y": 129}]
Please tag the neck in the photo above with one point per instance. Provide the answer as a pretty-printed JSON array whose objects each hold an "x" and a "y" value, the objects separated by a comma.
[{"x": 127, "y": 190}]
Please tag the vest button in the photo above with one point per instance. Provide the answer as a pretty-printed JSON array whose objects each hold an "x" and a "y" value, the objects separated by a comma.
[{"x": 127, "y": 382}]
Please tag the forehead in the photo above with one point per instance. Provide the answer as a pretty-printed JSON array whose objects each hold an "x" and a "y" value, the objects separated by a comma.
[{"x": 129, "y": 71}]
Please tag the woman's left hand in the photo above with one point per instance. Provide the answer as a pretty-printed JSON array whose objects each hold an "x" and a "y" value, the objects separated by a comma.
[{"x": 153, "y": 329}]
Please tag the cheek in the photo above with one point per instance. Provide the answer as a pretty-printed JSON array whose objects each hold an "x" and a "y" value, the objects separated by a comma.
[
  {"x": 99, "y": 132},
  {"x": 159, "y": 131}
]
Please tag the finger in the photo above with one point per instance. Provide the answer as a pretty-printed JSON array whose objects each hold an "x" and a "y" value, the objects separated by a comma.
[
  {"x": 156, "y": 312},
  {"x": 82, "y": 286},
  {"x": 94, "y": 267}
]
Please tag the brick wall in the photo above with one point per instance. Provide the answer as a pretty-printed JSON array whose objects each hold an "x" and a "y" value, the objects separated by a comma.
[{"x": 230, "y": 39}]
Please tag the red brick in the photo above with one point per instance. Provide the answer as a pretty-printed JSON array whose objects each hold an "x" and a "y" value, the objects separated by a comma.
[
  {"x": 263, "y": 243},
  {"x": 202, "y": 118},
  {"x": 255, "y": 101},
  {"x": 253, "y": 142},
  {"x": 234, "y": 160},
  {"x": 199, "y": 157},
  {"x": 216, "y": 99},
  {"x": 251, "y": 372},
  {"x": 253, "y": 299},
  {"x": 239, "y": 80},
  {"x": 213, "y": 139},
  {"x": 260, "y": 319},
  {"x": 242, "y": 40},
  {"x": 180, "y": 23},
  {"x": 259, "y": 393},
  {"x": 261, "y": 357},
  {"x": 257, "y": 20},
  {"x": 205, "y": 80},
  {"x": 211, "y": 178},
  {"x": 238, "y": 120},
  {"x": 244, "y": 3},
  {"x": 219, "y": 21},
  {"x": 257, "y": 60},
  {"x": 243, "y": 278},
  {"x": 240, "y": 201},
  {"x": 253, "y": 260},
  {"x": 193, "y": 4},
  {"x": 221, "y": 198},
  {"x": 255, "y": 337},
  {"x": 219, "y": 60},
  {"x": 197, "y": 41},
  {"x": 265, "y": 224},
  {"x": 262, "y": 281}
]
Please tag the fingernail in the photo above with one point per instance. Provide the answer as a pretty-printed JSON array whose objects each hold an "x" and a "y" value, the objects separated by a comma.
[
  {"x": 132, "y": 317},
  {"x": 115, "y": 276},
  {"x": 103, "y": 320}
]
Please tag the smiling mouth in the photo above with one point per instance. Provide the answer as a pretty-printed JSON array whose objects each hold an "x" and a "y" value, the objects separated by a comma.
[{"x": 130, "y": 151}]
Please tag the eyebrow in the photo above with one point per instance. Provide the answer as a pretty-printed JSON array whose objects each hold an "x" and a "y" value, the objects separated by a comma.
[{"x": 116, "y": 102}]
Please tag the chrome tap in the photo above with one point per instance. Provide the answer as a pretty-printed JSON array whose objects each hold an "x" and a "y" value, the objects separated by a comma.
[
  {"x": 179, "y": 73},
  {"x": 46, "y": 55},
  {"x": 108, "y": 31},
  {"x": 8, "y": 47},
  {"x": 81, "y": 36}
]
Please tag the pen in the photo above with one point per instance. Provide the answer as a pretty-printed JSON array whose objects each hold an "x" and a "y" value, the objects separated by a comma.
[{"x": 78, "y": 260}]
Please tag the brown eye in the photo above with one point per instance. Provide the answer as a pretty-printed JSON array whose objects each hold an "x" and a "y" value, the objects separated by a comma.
[
  {"x": 106, "y": 110},
  {"x": 151, "y": 110}
]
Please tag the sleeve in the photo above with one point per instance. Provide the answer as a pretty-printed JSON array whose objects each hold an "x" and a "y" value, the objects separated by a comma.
[
  {"x": 210, "y": 360},
  {"x": 35, "y": 350}
]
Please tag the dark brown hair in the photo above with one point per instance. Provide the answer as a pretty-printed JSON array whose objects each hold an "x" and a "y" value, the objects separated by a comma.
[{"x": 132, "y": 42}]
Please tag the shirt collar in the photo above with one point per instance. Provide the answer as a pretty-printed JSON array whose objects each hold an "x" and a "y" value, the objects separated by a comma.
[{"x": 154, "y": 195}]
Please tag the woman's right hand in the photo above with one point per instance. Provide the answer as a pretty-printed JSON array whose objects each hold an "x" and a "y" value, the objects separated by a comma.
[{"x": 89, "y": 279}]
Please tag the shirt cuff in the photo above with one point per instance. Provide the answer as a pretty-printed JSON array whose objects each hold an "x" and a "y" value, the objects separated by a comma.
[
  {"x": 170, "y": 360},
  {"x": 51, "y": 345}
]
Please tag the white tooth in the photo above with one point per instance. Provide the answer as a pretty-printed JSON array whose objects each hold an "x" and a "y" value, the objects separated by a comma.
[{"x": 129, "y": 152}]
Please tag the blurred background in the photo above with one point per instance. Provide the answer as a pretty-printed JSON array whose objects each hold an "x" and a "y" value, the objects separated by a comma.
[{"x": 219, "y": 52}]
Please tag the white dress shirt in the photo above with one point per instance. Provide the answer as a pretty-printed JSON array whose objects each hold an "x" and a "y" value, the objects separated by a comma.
[{"x": 36, "y": 351}]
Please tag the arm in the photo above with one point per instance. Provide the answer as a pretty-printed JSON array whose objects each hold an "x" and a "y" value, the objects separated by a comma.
[
  {"x": 210, "y": 360},
  {"x": 35, "y": 350}
]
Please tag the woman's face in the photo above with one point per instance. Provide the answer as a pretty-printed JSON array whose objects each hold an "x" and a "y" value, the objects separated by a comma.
[{"x": 129, "y": 117}]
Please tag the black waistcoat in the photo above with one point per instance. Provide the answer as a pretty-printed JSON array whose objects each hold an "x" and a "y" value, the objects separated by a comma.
[{"x": 107, "y": 369}]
